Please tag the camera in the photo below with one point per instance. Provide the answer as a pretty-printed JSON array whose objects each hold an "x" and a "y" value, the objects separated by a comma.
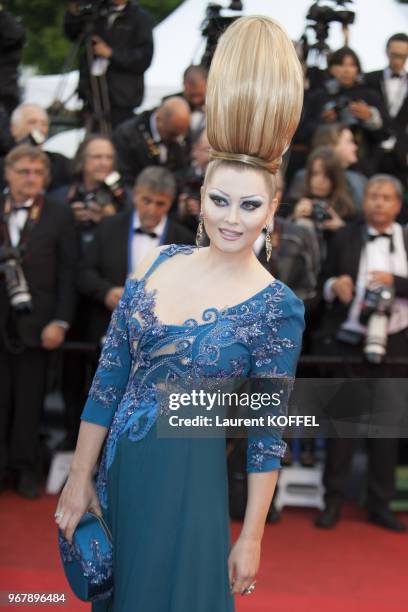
[
  {"x": 35, "y": 138},
  {"x": 16, "y": 285},
  {"x": 375, "y": 312},
  {"x": 341, "y": 106},
  {"x": 109, "y": 191},
  {"x": 319, "y": 211},
  {"x": 92, "y": 8},
  {"x": 327, "y": 14},
  {"x": 216, "y": 21}
]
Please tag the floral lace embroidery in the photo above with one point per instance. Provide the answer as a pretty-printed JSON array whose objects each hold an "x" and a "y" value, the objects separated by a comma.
[
  {"x": 198, "y": 352},
  {"x": 98, "y": 569}
]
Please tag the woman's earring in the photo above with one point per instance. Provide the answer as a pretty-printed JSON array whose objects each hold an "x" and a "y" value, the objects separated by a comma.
[
  {"x": 200, "y": 231},
  {"x": 268, "y": 242}
]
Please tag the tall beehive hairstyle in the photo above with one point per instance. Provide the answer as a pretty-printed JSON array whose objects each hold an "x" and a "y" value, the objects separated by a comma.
[{"x": 254, "y": 94}]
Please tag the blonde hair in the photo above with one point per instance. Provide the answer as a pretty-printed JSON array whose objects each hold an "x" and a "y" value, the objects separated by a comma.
[{"x": 254, "y": 94}]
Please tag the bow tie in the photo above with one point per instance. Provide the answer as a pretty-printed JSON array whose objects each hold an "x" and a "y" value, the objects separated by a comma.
[
  {"x": 140, "y": 230},
  {"x": 374, "y": 236},
  {"x": 25, "y": 206},
  {"x": 395, "y": 75}
]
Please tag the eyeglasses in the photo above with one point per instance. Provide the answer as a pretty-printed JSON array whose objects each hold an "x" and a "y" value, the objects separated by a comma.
[{"x": 28, "y": 171}]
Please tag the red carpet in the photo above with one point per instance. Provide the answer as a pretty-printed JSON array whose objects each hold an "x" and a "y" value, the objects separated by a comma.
[{"x": 355, "y": 568}]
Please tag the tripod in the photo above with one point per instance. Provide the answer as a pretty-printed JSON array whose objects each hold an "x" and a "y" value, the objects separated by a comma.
[{"x": 99, "y": 101}]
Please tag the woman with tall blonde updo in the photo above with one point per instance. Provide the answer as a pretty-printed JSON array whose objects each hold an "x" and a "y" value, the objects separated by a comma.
[{"x": 188, "y": 315}]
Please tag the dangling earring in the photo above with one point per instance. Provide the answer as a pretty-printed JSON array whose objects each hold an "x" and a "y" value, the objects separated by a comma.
[
  {"x": 268, "y": 241},
  {"x": 200, "y": 230}
]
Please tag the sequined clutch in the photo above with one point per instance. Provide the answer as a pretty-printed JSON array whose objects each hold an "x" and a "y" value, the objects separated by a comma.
[{"x": 88, "y": 561}]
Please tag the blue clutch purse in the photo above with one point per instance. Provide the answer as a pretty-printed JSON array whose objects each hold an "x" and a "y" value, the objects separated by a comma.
[{"x": 87, "y": 562}]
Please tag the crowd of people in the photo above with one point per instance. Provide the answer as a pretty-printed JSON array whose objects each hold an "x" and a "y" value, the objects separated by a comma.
[{"x": 73, "y": 230}]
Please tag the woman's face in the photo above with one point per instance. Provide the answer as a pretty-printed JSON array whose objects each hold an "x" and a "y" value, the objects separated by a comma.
[
  {"x": 236, "y": 205},
  {"x": 320, "y": 184},
  {"x": 346, "y": 148},
  {"x": 346, "y": 72}
]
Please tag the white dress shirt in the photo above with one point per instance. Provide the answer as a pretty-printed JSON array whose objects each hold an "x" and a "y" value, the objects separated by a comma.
[
  {"x": 395, "y": 91},
  {"x": 143, "y": 243},
  {"x": 17, "y": 221},
  {"x": 376, "y": 255}
]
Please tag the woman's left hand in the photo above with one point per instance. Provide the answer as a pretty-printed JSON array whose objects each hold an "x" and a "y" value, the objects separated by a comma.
[
  {"x": 334, "y": 223},
  {"x": 243, "y": 564}
]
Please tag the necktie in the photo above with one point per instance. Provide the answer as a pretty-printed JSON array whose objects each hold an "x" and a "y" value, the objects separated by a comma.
[{"x": 140, "y": 230}]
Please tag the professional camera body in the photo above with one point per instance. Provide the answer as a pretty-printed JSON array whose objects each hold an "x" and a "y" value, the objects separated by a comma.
[
  {"x": 16, "y": 285},
  {"x": 319, "y": 211},
  {"x": 91, "y": 9},
  {"x": 109, "y": 191},
  {"x": 375, "y": 313},
  {"x": 217, "y": 19},
  {"x": 340, "y": 104}
]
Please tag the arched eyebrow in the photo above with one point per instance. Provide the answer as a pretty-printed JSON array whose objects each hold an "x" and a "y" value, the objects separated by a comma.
[{"x": 246, "y": 197}]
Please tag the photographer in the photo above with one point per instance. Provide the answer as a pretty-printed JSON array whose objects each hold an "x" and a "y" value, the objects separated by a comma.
[
  {"x": 326, "y": 204},
  {"x": 93, "y": 195},
  {"x": 154, "y": 137},
  {"x": 38, "y": 259},
  {"x": 341, "y": 139},
  {"x": 122, "y": 42},
  {"x": 29, "y": 124},
  {"x": 367, "y": 264},
  {"x": 347, "y": 99}
]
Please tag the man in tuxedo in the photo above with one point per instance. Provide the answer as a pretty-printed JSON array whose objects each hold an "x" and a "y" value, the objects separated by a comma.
[
  {"x": 363, "y": 255},
  {"x": 38, "y": 259},
  {"x": 29, "y": 123},
  {"x": 155, "y": 137},
  {"x": 392, "y": 85},
  {"x": 123, "y": 240}
]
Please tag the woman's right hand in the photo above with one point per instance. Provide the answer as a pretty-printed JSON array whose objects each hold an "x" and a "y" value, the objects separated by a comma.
[
  {"x": 77, "y": 497},
  {"x": 302, "y": 209}
]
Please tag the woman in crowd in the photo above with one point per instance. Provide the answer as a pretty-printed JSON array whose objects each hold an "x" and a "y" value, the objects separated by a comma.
[
  {"x": 325, "y": 205},
  {"x": 341, "y": 138},
  {"x": 190, "y": 314}
]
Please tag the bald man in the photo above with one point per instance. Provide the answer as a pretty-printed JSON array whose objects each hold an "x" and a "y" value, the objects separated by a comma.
[
  {"x": 153, "y": 138},
  {"x": 29, "y": 123}
]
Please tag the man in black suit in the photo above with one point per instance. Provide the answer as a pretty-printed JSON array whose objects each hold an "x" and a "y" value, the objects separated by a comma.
[
  {"x": 37, "y": 300},
  {"x": 154, "y": 137},
  {"x": 368, "y": 254},
  {"x": 123, "y": 240},
  {"x": 392, "y": 85}
]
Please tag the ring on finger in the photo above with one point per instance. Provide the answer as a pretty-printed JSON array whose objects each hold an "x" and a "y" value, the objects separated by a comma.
[
  {"x": 249, "y": 589},
  {"x": 58, "y": 515}
]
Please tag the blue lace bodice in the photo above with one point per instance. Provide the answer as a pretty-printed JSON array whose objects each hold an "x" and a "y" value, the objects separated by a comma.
[{"x": 260, "y": 337}]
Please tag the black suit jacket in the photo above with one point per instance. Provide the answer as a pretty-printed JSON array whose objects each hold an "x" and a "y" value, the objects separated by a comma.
[
  {"x": 50, "y": 268},
  {"x": 136, "y": 150},
  {"x": 397, "y": 125},
  {"x": 344, "y": 258},
  {"x": 105, "y": 264}
]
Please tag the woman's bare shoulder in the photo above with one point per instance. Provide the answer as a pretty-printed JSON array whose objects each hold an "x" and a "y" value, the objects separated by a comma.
[{"x": 147, "y": 261}]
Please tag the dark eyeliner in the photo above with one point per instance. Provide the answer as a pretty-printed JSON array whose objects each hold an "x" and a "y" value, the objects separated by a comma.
[
  {"x": 217, "y": 199},
  {"x": 253, "y": 204}
]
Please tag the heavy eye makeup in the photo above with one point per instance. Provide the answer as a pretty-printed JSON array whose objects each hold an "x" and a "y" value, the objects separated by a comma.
[{"x": 249, "y": 204}]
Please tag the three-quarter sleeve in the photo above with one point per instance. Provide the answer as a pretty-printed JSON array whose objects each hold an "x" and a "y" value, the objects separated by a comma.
[
  {"x": 274, "y": 356},
  {"x": 113, "y": 370}
]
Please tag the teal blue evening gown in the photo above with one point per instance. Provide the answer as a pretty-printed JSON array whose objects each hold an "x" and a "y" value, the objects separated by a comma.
[{"x": 166, "y": 499}]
